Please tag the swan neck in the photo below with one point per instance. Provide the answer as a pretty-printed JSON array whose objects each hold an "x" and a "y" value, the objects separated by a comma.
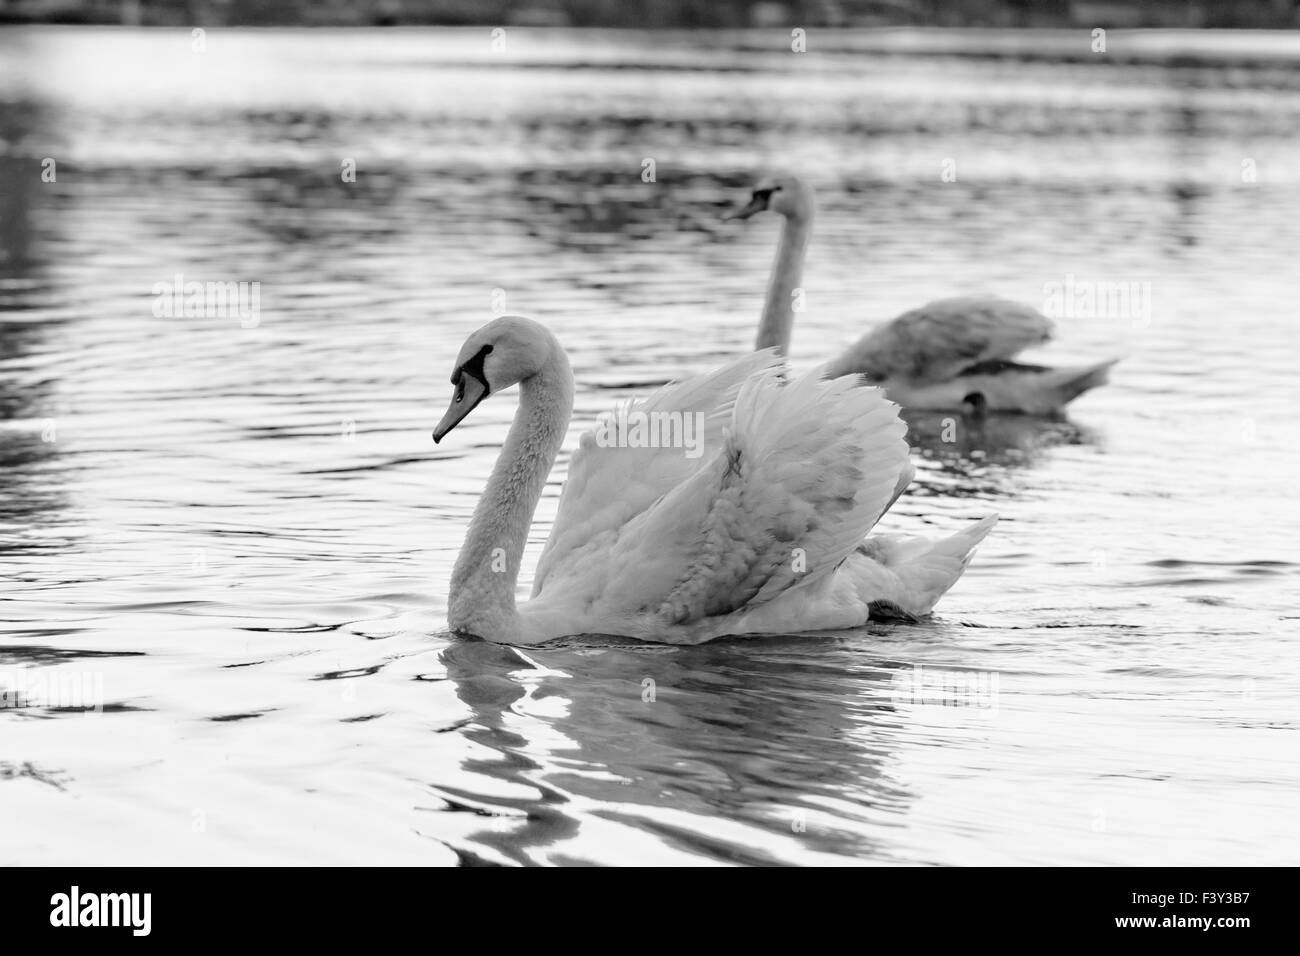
[
  {"x": 482, "y": 598},
  {"x": 787, "y": 273}
]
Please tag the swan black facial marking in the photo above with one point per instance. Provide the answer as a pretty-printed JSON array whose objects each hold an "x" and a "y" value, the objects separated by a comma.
[
  {"x": 473, "y": 367},
  {"x": 470, "y": 379}
]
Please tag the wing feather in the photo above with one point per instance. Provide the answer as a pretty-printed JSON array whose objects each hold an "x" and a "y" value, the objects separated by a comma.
[
  {"x": 806, "y": 470},
  {"x": 939, "y": 340},
  {"x": 610, "y": 483}
]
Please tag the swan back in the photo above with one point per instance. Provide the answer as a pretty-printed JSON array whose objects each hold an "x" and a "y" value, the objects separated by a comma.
[{"x": 941, "y": 339}]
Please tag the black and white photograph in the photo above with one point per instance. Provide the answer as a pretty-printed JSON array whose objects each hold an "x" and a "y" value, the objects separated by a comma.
[{"x": 791, "y": 433}]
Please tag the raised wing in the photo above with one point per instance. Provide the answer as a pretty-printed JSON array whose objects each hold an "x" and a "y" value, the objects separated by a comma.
[
  {"x": 941, "y": 339},
  {"x": 614, "y": 476},
  {"x": 805, "y": 471}
]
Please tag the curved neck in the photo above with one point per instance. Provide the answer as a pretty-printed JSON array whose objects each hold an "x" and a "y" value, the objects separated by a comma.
[
  {"x": 482, "y": 599},
  {"x": 787, "y": 272}
]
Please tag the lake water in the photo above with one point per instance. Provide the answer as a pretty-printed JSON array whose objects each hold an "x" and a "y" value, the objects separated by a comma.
[{"x": 237, "y": 536}]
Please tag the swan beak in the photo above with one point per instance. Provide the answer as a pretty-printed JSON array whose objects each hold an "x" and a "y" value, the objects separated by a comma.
[
  {"x": 755, "y": 205},
  {"x": 469, "y": 392}
]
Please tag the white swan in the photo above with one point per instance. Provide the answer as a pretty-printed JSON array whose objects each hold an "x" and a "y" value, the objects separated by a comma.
[
  {"x": 762, "y": 532},
  {"x": 948, "y": 354}
]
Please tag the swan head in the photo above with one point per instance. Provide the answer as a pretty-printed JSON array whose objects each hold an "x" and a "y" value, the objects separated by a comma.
[
  {"x": 506, "y": 351},
  {"x": 787, "y": 195}
]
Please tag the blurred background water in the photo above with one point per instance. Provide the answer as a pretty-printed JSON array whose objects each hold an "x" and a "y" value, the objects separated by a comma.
[{"x": 236, "y": 536}]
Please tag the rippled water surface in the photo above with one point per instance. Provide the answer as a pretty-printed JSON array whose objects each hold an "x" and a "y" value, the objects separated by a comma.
[{"x": 240, "y": 535}]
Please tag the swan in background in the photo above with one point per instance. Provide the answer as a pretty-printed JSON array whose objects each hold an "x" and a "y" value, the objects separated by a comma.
[
  {"x": 949, "y": 354},
  {"x": 761, "y": 532}
]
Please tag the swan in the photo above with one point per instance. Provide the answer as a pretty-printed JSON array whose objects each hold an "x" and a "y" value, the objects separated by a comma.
[
  {"x": 954, "y": 353},
  {"x": 761, "y": 532}
]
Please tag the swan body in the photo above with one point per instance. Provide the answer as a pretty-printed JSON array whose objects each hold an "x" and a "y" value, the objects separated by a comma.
[
  {"x": 954, "y": 353},
  {"x": 760, "y": 533}
]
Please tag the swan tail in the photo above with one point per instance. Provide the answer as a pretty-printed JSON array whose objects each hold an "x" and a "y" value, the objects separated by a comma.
[
  {"x": 1003, "y": 386},
  {"x": 1067, "y": 384},
  {"x": 904, "y": 577}
]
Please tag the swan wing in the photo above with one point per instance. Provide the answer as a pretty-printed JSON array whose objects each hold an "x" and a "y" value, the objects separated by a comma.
[
  {"x": 941, "y": 339},
  {"x": 804, "y": 471},
  {"x": 611, "y": 480}
]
